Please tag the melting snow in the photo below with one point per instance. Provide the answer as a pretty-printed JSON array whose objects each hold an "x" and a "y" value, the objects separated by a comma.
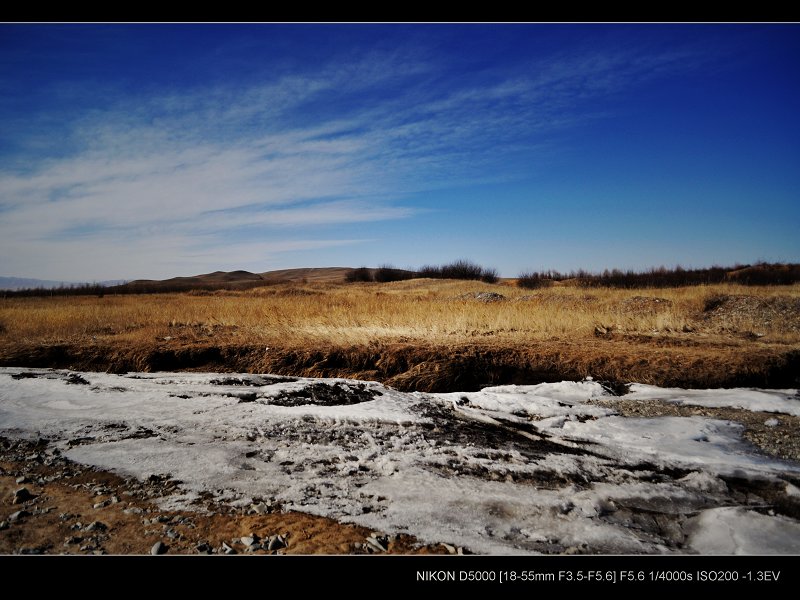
[{"x": 511, "y": 469}]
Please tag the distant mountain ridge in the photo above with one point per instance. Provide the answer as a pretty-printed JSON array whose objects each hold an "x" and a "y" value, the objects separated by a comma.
[{"x": 242, "y": 278}]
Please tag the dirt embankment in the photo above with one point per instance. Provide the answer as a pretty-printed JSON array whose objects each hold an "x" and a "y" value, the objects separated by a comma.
[{"x": 440, "y": 368}]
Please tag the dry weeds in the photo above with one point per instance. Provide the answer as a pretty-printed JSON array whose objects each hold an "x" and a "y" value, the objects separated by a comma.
[{"x": 424, "y": 311}]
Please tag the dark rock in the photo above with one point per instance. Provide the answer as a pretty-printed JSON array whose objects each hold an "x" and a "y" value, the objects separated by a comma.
[
  {"x": 276, "y": 542},
  {"x": 96, "y": 526},
  {"x": 203, "y": 548},
  {"x": 22, "y": 495},
  {"x": 16, "y": 516},
  {"x": 323, "y": 394},
  {"x": 158, "y": 548},
  {"x": 76, "y": 379},
  {"x": 24, "y": 376}
]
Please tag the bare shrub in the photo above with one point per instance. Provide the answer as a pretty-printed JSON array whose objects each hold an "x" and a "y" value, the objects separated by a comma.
[
  {"x": 531, "y": 280},
  {"x": 490, "y": 276},
  {"x": 362, "y": 274},
  {"x": 386, "y": 273}
]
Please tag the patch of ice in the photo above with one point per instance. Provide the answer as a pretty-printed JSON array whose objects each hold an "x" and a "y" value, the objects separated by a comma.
[
  {"x": 735, "y": 530},
  {"x": 683, "y": 441},
  {"x": 775, "y": 401},
  {"x": 545, "y": 400},
  {"x": 704, "y": 482}
]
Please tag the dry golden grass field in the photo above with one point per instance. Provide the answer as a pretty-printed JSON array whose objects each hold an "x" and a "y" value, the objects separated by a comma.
[{"x": 422, "y": 333}]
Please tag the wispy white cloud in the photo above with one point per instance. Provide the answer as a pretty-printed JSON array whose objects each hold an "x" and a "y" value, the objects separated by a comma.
[{"x": 160, "y": 185}]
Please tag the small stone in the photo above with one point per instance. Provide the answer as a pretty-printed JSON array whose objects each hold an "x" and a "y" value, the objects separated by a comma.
[
  {"x": 96, "y": 526},
  {"x": 605, "y": 507},
  {"x": 772, "y": 422},
  {"x": 16, "y": 516},
  {"x": 3, "y": 525},
  {"x": 376, "y": 544},
  {"x": 133, "y": 510},
  {"x": 158, "y": 548},
  {"x": 227, "y": 549},
  {"x": 276, "y": 542},
  {"x": 22, "y": 495},
  {"x": 450, "y": 549},
  {"x": 22, "y": 479},
  {"x": 99, "y": 505},
  {"x": 203, "y": 548},
  {"x": 259, "y": 508}
]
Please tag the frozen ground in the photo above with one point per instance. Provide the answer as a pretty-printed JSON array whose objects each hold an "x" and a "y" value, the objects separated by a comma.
[{"x": 512, "y": 469}]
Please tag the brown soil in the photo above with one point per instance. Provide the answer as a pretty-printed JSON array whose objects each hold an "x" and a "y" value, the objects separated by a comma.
[
  {"x": 677, "y": 361},
  {"x": 61, "y": 518}
]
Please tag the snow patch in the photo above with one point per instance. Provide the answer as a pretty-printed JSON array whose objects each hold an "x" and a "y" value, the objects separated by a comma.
[
  {"x": 735, "y": 530},
  {"x": 509, "y": 469}
]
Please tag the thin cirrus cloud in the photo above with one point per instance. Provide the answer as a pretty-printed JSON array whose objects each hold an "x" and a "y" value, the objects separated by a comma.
[{"x": 235, "y": 176}]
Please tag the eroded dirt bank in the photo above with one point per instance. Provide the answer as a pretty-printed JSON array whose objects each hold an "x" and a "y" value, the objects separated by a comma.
[{"x": 443, "y": 368}]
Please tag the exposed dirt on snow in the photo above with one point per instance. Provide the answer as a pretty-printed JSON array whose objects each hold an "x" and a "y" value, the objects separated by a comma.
[{"x": 76, "y": 509}]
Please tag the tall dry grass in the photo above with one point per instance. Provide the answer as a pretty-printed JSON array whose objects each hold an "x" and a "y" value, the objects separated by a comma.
[{"x": 405, "y": 311}]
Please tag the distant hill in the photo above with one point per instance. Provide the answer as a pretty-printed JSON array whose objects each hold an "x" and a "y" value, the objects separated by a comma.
[
  {"x": 235, "y": 280},
  {"x": 327, "y": 274}
]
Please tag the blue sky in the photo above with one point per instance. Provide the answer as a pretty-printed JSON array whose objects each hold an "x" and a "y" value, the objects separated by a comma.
[{"x": 130, "y": 151}]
